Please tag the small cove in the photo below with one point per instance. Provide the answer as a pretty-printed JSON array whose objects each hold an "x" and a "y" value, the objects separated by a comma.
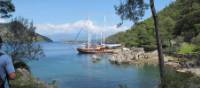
[{"x": 72, "y": 70}]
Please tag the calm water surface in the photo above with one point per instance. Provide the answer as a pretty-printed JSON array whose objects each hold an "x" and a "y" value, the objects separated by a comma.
[{"x": 72, "y": 70}]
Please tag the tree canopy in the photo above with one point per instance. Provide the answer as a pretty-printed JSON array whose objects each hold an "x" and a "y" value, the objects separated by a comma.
[
  {"x": 132, "y": 10},
  {"x": 180, "y": 19},
  {"x": 6, "y": 8},
  {"x": 20, "y": 40}
]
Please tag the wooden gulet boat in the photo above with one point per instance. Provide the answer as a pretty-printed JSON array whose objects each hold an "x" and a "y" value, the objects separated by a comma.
[{"x": 94, "y": 50}]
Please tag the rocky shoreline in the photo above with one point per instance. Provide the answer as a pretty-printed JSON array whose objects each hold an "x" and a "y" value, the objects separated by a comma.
[
  {"x": 136, "y": 55},
  {"x": 133, "y": 56}
]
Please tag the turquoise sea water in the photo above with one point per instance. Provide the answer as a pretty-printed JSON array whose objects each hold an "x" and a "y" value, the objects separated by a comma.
[{"x": 72, "y": 70}]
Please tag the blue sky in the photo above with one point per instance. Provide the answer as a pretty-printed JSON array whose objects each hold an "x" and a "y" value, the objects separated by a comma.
[{"x": 57, "y": 15}]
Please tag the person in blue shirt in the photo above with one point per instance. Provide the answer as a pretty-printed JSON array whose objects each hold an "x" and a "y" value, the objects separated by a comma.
[{"x": 7, "y": 71}]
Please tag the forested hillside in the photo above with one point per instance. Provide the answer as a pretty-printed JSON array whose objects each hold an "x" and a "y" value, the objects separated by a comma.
[
  {"x": 4, "y": 29},
  {"x": 179, "y": 24}
]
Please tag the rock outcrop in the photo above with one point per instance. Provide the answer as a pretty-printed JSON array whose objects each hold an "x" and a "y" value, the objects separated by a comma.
[
  {"x": 139, "y": 56},
  {"x": 133, "y": 55}
]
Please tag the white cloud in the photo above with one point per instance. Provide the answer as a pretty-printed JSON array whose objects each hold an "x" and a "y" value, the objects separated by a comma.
[{"x": 49, "y": 29}]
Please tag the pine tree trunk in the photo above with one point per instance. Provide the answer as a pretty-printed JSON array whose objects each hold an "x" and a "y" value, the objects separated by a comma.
[{"x": 159, "y": 44}]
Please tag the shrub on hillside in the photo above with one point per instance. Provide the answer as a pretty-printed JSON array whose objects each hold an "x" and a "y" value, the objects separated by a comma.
[
  {"x": 175, "y": 79},
  {"x": 186, "y": 48}
]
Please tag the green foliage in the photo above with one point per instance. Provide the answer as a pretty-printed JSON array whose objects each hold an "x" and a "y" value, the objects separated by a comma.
[
  {"x": 166, "y": 28},
  {"x": 139, "y": 36},
  {"x": 20, "y": 40},
  {"x": 175, "y": 79},
  {"x": 179, "y": 20},
  {"x": 188, "y": 26},
  {"x": 6, "y": 7},
  {"x": 186, "y": 48},
  {"x": 196, "y": 40},
  {"x": 131, "y": 10},
  {"x": 25, "y": 80}
]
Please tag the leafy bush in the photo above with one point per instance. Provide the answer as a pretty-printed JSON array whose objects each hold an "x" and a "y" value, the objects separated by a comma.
[
  {"x": 20, "y": 39},
  {"x": 197, "y": 49},
  {"x": 186, "y": 48},
  {"x": 175, "y": 79},
  {"x": 196, "y": 40},
  {"x": 24, "y": 80}
]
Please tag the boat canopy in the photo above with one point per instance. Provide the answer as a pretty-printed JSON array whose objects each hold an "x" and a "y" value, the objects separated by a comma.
[{"x": 112, "y": 45}]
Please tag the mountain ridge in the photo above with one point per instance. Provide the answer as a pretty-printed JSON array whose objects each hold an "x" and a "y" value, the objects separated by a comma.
[{"x": 39, "y": 38}]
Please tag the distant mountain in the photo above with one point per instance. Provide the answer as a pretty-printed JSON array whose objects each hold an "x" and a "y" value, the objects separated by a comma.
[
  {"x": 43, "y": 38},
  {"x": 74, "y": 36},
  {"x": 4, "y": 29}
]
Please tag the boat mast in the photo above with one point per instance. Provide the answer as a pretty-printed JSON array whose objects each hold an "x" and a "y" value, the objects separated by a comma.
[
  {"x": 88, "y": 36},
  {"x": 103, "y": 31},
  {"x": 101, "y": 38},
  {"x": 89, "y": 39}
]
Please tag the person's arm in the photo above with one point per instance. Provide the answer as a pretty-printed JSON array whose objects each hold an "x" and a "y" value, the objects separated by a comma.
[{"x": 10, "y": 68}]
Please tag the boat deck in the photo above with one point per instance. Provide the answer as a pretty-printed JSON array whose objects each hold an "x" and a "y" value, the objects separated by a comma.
[{"x": 94, "y": 51}]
